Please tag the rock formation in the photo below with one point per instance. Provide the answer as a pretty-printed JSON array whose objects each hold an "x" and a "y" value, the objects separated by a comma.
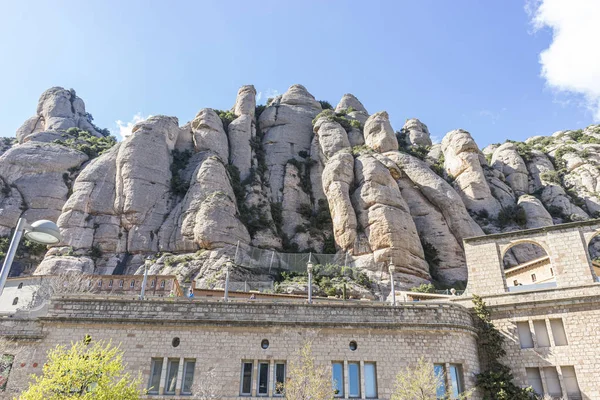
[{"x": 290, "y": 177}]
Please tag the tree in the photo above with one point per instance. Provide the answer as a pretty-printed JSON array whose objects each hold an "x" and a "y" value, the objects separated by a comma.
[
  {"x": 496, "y": 379},
  {"x": 93, "y": 371},
  {"x": 306, "y": 379},
  {"x": 206, "y": 387},
  {"x": 421, "y": 383}
]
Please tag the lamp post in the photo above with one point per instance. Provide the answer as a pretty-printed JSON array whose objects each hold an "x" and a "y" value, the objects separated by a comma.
[
  {"x": 392, "y": 269},
  {"x": 144, "y": 282},
  {"x": 42, "y": 232},
  {"x": 309, "y": 268},
  {"x": 227, "y": 268}
]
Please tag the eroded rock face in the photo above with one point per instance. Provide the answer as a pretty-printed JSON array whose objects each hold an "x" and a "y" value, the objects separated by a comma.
[
  {"x": 286, "y": 125},
  {"x": 462, "y": 162},
  {"x": 58, "y": 110},
  {"x": 141, "y": 197},
  {"x": 379, "y": 134},
  {"x": 417, "y": 133},
  {"x": 507, "y": 160}
]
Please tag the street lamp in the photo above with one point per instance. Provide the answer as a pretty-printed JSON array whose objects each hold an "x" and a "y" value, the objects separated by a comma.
[
  {"x": 42, "y": 232},
  {"x": 392, "y": 269},
  {"x": 228, "y": 265},
  {"x": 309, "y": 268}
]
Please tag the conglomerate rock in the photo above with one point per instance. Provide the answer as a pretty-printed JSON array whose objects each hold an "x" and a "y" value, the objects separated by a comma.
[{"x": 172, "y": 197}]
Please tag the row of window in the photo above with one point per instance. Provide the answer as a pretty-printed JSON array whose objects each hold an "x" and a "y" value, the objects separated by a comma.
[
  {"x": 348, "y": 378},
  {"x": 131, "y": 284},
  {"x": 540, "y": 329},
  {"x": 552, "y": 381},
  {"x": 171, "y": 374}
]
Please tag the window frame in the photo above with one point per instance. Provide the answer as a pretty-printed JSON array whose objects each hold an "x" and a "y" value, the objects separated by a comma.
[
  {"x": 460, "y": 380},
  {"x": 110, "y": 283},
  {"x": 358, "y": 395},
  {"x": 341, "y": 392},
  {"x": 444, "y": 386},
  {"x": 170, "y": 362},
  {"x": 244, "y": 363},
  {"x": 153, "y": 363},
  {"x": 132, "y": 285},
  {"x": 258, "y": 377},
  {"x": 186, "y": 365},
  {"x": 374, "y": 364},
  {"x": 121, "y": 283},
  {"x": 276, "y": 392}
]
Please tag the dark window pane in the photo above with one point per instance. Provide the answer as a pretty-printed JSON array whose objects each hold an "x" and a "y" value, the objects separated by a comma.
[
  {"x": 188, "y": 377},
  {"x": 279, "y": 378},
  {"x": 263, "y": 378},
  {"x": 172, "y": 369},
  {"x": 155, "y": 371},
  {"x": 247, "y": 378}
]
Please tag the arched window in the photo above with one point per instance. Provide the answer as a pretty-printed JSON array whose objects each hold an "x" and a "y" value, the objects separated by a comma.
[
  {"x": 594, "y": 252},
  {"x": 162, "y": 284},
  {"x": 153, "y": 283},
  {"x": 528, "y": 267},
  {"x": 132, "y": 284},
  {"x": 20, "y": 286},
  {"x": 15, "y": 301}
]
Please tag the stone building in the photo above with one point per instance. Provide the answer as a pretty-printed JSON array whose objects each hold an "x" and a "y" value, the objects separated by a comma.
[{"x": 243, "y": 347}]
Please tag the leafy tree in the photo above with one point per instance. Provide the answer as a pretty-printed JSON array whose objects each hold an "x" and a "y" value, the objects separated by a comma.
[
  {"x": 420, "y": 383},
  {"x": 496, "y": 379},
  {"x": 92, "y": 371},
  {"x": 307, "y": 380}
]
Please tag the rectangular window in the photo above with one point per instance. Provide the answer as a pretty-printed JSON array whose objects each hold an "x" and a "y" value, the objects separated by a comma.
[
  {"x": 370, "y": 380},
  {"x": 570, "y": 380},
  {"x": 533, "y": 278},
  {"x": 541, "y": 333},
  {"x": 121, "y": 283},
  {"x": 552, "y": 382},
  {"x": 353, "y": 379},
  {"x": 153, "y": 283},
  {"x": 516, "y": 282},
  {"x": 558, "y": 332},
  {"x": 263, "y": 378},
  {"x": 246, "y": 389},
  {"x": 279, "y": 379},
  {"x": 155, "y": 371},
  {"x": 100, "y": 283},
  {"x": 534, "y": 379},
  {"x": 162, "y": 284},
  {"x": 132, "y": 284},
  {"x": 188, "y": 376},
  {"x": 337, "y": 379},
  {"x": 456, "y": 378},
  {"x": 172, "y": 370},
  {"x": 440, "y": 375},
  {"x": 525, "y": 338},
  {"x": 110, "y": 282}
]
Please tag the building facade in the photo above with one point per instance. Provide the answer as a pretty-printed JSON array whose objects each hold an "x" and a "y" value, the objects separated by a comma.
[{"x": 242, "y": 348}]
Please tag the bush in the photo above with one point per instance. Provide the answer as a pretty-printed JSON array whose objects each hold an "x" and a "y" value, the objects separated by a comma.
[
  {"x": 551, "y": 176},
  {"x": 512, "y": 214},
  {"x": 325, "y": 105},
  {"x": 424, "y": 288},
  {"x": 179, "y": 187},
  {"x": 87, "y": 143},
  {"x": 227, "y": 117}
]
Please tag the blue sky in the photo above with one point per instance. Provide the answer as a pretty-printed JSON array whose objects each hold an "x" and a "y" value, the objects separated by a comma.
[{"x": 453, "y": 64}]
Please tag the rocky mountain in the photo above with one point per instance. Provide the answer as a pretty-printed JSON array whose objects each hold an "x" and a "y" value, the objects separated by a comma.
[{"x": 295, "y": 175}]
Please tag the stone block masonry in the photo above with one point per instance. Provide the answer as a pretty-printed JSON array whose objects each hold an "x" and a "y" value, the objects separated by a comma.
[{"x": 220, "y": 336}]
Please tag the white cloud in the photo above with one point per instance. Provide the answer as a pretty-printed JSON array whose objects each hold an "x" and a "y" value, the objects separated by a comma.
[
  {"x": 126, "y": 127},
  {"x": 571, "y": 63},
  {"x": 269, "y": 93}
]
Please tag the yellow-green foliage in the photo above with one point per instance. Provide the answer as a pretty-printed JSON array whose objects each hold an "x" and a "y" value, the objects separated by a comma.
[
  {"x": 307, "y": 380},
  {"x": 84, "y": 371}
]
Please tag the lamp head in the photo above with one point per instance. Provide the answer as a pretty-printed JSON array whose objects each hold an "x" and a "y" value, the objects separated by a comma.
[
  {"x": 391, "y": 267},
  {"x": 43, "y": 232},
  {"x": 309, "y": 267}
]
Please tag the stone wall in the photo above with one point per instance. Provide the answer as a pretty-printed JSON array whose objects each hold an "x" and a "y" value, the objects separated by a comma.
[{"x": 219, "y": 336}]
